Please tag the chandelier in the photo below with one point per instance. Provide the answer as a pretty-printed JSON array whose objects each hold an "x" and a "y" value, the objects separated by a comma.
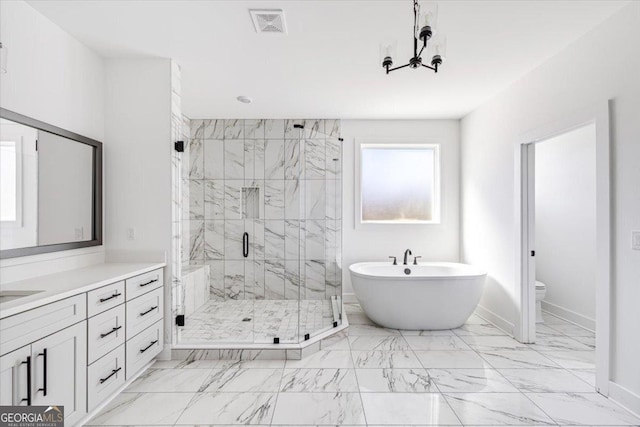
[{"x": 421, "y": 35}]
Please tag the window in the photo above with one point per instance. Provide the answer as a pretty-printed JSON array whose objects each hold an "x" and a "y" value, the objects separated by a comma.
[
  {"x": 399, "y": 184},
  {"x": 9, "y": 182}
]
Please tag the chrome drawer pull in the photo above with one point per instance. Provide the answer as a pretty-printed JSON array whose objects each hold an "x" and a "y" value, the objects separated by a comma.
[
  {"x": 113, "y": 372},
  {"x": 110, "y": 332},
  {"x": 148, "y": 283},
  {"x": 149, "y": 311},
  {"x": 116, "y": 295},
  {"x": 148, "y": 347}
]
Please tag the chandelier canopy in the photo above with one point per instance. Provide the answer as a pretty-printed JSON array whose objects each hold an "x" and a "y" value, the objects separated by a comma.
[{"x": 421, "y": 35}]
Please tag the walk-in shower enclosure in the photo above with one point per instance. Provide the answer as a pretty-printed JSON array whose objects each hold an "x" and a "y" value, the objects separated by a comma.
[{"x": 261, "y": 232}]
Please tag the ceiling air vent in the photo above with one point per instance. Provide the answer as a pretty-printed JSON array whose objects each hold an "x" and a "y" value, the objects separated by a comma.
[{"x": 268, "y": 21}]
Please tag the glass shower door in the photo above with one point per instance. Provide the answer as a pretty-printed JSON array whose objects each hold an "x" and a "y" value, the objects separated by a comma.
[{"x": 321, "y": 232}]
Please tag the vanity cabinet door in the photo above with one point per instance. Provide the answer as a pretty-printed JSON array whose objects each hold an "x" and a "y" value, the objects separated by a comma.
[
  {"x": 14, "y": 375},
  {"x": 59, "y": 364}
]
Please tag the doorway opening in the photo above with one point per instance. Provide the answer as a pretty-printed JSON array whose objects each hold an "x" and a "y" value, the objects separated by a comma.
[{"x": 564, "y": 231}]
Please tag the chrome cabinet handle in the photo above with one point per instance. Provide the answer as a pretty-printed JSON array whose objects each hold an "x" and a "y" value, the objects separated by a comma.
[{"x": 245, "y": 244}]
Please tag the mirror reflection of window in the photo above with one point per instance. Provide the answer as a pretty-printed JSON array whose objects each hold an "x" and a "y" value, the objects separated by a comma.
[
  {"x": 18, "y": 185},
  {"x": 8, "y": 182}
]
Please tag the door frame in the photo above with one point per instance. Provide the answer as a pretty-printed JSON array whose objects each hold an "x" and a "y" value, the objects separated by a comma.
[{"x": 524, "y": 330}]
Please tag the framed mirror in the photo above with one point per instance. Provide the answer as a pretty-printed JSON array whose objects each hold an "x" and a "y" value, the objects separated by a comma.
[{"x": 50, "y": 188}]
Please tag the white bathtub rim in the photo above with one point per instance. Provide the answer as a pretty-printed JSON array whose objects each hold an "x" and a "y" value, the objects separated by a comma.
[{"x": 473, "y": 271}]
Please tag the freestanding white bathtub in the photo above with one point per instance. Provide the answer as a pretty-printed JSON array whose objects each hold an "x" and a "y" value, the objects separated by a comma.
[{"x": 431, "y": 295}]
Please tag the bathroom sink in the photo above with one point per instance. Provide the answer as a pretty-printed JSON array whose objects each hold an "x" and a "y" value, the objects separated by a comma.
[{"x": 6, "y": 296}]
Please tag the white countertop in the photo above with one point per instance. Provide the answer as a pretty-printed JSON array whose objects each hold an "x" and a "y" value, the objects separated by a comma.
[{"x": 69, "y": 283}]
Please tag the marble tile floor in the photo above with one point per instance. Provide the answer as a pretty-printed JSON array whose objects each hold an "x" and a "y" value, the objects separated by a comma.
[
  {"x": 224, "y": 321},
  {"x": 472, "y": 376}
]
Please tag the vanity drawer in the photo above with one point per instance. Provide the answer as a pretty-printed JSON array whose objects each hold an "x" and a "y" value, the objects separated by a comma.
[
  {"x": 144, "y": 283},
  {"x": 142, "y": 348},
  {"x": 104, "y": 298},
  {"x": 105, "y": 332},
  {"x": 105, "y": 376},
  {"x": 29, "y": 326},
  {"x": 144, "y": 311}
]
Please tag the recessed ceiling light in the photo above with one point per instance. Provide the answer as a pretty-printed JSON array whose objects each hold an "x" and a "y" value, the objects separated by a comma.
[{"x": 244, "y": 99}]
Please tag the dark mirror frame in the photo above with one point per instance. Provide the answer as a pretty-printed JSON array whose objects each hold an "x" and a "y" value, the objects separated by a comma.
[{"x": 96, "y": 237}]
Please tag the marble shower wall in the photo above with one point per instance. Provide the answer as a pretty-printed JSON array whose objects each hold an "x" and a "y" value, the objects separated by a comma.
[{"x": 260, "y": 177}]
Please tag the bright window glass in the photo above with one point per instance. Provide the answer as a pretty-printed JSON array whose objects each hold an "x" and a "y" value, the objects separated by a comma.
[
  {"x": 8, "y": 181},
  {"x": 399, "y": 183}
]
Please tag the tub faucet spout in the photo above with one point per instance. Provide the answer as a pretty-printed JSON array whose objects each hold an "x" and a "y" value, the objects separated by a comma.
[{"x": 406, "y": 254}]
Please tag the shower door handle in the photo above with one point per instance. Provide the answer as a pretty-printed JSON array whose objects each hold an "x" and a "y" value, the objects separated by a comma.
[{"x": 245, "y": 244}]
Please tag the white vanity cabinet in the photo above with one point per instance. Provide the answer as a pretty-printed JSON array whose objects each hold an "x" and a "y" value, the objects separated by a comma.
[
  {"x": 59, "y": 365},
  {"x": 49, "y": 371},
  {"x": 15, "y": 376},
  {"x": 78, "y": 351},
  {"x": 145, "y": 330}
]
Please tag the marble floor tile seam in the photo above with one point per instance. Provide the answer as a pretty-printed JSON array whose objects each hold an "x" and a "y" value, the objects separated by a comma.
[
  {"x": 364, "y": 414},
  {"x": 558, "y": 422},
  {"x": 445, "y": 395},
  {"x": 571, "y": 371},
  {"x": 478, "y": 353},
  {"x": 526, "y": 368},
  {"x": 563, "y": 333}
]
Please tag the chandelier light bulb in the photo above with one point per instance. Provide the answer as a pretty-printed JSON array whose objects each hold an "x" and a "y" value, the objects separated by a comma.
[
  {"x": 387, "y": 52},
  {"x": 430, "y": 15},
  {"x": 440, "y": 47}
]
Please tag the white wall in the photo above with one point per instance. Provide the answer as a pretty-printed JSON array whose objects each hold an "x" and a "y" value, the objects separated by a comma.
[
  {"x": 565, "y": 223},
  {"x": 137, "y": 157},
  {"x": 138, "y": 165},
  {"x": 564, "y": 84},
  {"x": 434, "y": 242},
  {"x": 53, "y": 78},
  {"x": 50, "y": 76}
]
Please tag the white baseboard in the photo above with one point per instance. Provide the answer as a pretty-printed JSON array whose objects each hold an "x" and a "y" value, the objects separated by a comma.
[
  {"x": 349, "y": 298},
  {"x": 569, "y": 315},
  {"x": 498, "y": 321},
  {"x": 625, "y": 398}
]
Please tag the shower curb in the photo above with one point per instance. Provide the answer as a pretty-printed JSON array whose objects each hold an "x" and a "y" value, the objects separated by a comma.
[{"x": 285, "y": 351}]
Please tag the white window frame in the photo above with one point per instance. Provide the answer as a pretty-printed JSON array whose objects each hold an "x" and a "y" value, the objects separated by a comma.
[{"x": 396, "y": 143}]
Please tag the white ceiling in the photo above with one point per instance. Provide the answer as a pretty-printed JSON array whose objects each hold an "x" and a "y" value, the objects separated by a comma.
[{"x": 328, "y": 65}]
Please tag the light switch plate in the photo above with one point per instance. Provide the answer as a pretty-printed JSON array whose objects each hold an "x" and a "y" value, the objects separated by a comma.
[{"x": 635, "y": 240}]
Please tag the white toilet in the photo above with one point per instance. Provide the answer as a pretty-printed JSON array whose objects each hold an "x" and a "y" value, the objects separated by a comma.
[{"x": 541, "y": 291}]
